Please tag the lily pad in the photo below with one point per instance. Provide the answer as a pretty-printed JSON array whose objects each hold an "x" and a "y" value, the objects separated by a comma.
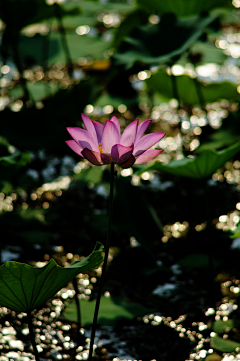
[
  {"x": 133, "y": 20},
  {"x": 224, "y": 345},
  {"x": 213, "y": 357},
  {"x": 183, "y": 7},
  {"x": 20, "y": 13},
  {"x": 17, "y": 158},
  {"x": 225, "y": 326},
  {"x": 92, "y": 174},
  {"x": 161, "y": 83},
  {"x": 24, "y": 288},
  {"x": 197, "y": 260},
  {"x": 154, "y": 44},
  {"x": 111, "y": 310},
  {"x": 235, "y": 233},
  {"x": 202, "y": 166}
]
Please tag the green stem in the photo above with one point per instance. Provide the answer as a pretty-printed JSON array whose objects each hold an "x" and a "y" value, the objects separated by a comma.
[
  {"x": 31, "y": 332},
  {"x": 77, "y": 301},
  {"x": 110, "y": 211},
  {"x": 15, "y": 49},
  {"x": 175, "y": 89},
  {"x": 45, "y": 53},
  {"x": 199, "y": 93},
  {"x": 176, "y": 96},
  {"x": 65, "y": 46},
  {"x": 210, "y": 252}
]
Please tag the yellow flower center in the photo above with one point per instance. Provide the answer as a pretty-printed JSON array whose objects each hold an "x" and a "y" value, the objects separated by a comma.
[{"x": 100, "y": 148}]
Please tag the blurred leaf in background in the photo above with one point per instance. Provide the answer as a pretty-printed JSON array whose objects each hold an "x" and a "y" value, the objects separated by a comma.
[{"x": 177, "y": 63}]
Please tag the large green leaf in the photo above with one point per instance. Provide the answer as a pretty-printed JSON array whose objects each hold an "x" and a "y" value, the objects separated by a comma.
[
  {"x": 221, "y": 327},
  {"x": 183, "y": 7},
  {"x": 163, "y": 42},
  {"x": 221, "y": 138},
  {"x": 133, "y": 20},
  {"x": 197, "y": 260},
  {"x": 186, "y": 86},
  {"x": 111, "y": 310},
  {"x": 70, "y": 103},
  {"x": 20, "y": 13},
  {"x": 24, "y": 288},
  {"x": 235, "y": 233},
  {"x": 202, "y": 166},
  {"x": 213, "y": 357},
  {"x": 228, "y": 134},
  {"x": 17, "y": 158},
  {"x": 10, "y": 169},
  {"x": 224, "y": 345},
  {"x": 91, "y": 7},
  {"x": 206, "y": 53},
  {"x": 90, "y": 175},
  {"x": 32, "y": 48}
]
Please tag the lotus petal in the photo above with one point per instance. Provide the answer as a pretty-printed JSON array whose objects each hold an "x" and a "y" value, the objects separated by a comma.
[
  {"x": 121, "y": 154},
  {"x": 110, "y": 137},
  {"x": 93, "y": 157},
  {"x": 129, "y": 134},
  {"x": 75, "y": 147},
  {"x": 146, "y": 142},
  {"x": 141, "y": 129},
  {"x": 116, "y": 122},
  {"x": 99, "y": 130},
  {"x": 148, "y": 155},
  {"x": 89, "y": 127},
  {"x": 82, "y": 137},
  {"x": 105, "y": 158},
  {"x": 103, "y": 144},
  {"x": 129, "y": 163}
]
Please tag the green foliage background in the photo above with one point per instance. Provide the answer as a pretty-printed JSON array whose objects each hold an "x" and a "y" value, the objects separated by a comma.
[{"x": 173, "y": 61}]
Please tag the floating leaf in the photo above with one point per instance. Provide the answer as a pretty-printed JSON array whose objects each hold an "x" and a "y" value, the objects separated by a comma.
[
  {"x": 202, "y": 166},
  {"x": 235, "y": 233},
  {"x": 10, "y": 159},
  {"x": 133, "y": 20},
  {"x": 224, "y": 345},
  {"x": 31, "y": 236},
  {"x": 90, "y": 175},
  {"x": 154, "y": 44},
  {"x": 221, "y": 138},
  {"x": 209, "y": 53},
  {"x": 32, "y": 49},
  {"x": 17, "y": 158},
  {"x": 228, "y": 134},
  {"x": 183, "y": 7},
  {"x": 20, "y": 13},
  {"x": 213, "y": 357},
  {"x": 197, "y": 260},
  {"x": 111, "y": 310},
  {"x": 24, "y": 288},
  {"x": 77, "y": 97},
  {"x": 186, "y": 86},
  {"x": 225, "y": 326}
]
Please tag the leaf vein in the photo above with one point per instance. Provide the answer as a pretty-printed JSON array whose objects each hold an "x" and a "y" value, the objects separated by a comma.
[
  {"x": 44, "y": 279},
  {"x": 11, "y": 301},
  {"x": 11, "y": 291}
]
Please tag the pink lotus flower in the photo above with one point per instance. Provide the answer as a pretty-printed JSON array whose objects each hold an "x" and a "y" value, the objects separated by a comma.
[{"x": 103, "y": 144}]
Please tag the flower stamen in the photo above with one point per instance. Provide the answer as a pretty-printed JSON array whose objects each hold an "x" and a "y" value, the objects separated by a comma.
[{"x": 100, "y": 148}]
